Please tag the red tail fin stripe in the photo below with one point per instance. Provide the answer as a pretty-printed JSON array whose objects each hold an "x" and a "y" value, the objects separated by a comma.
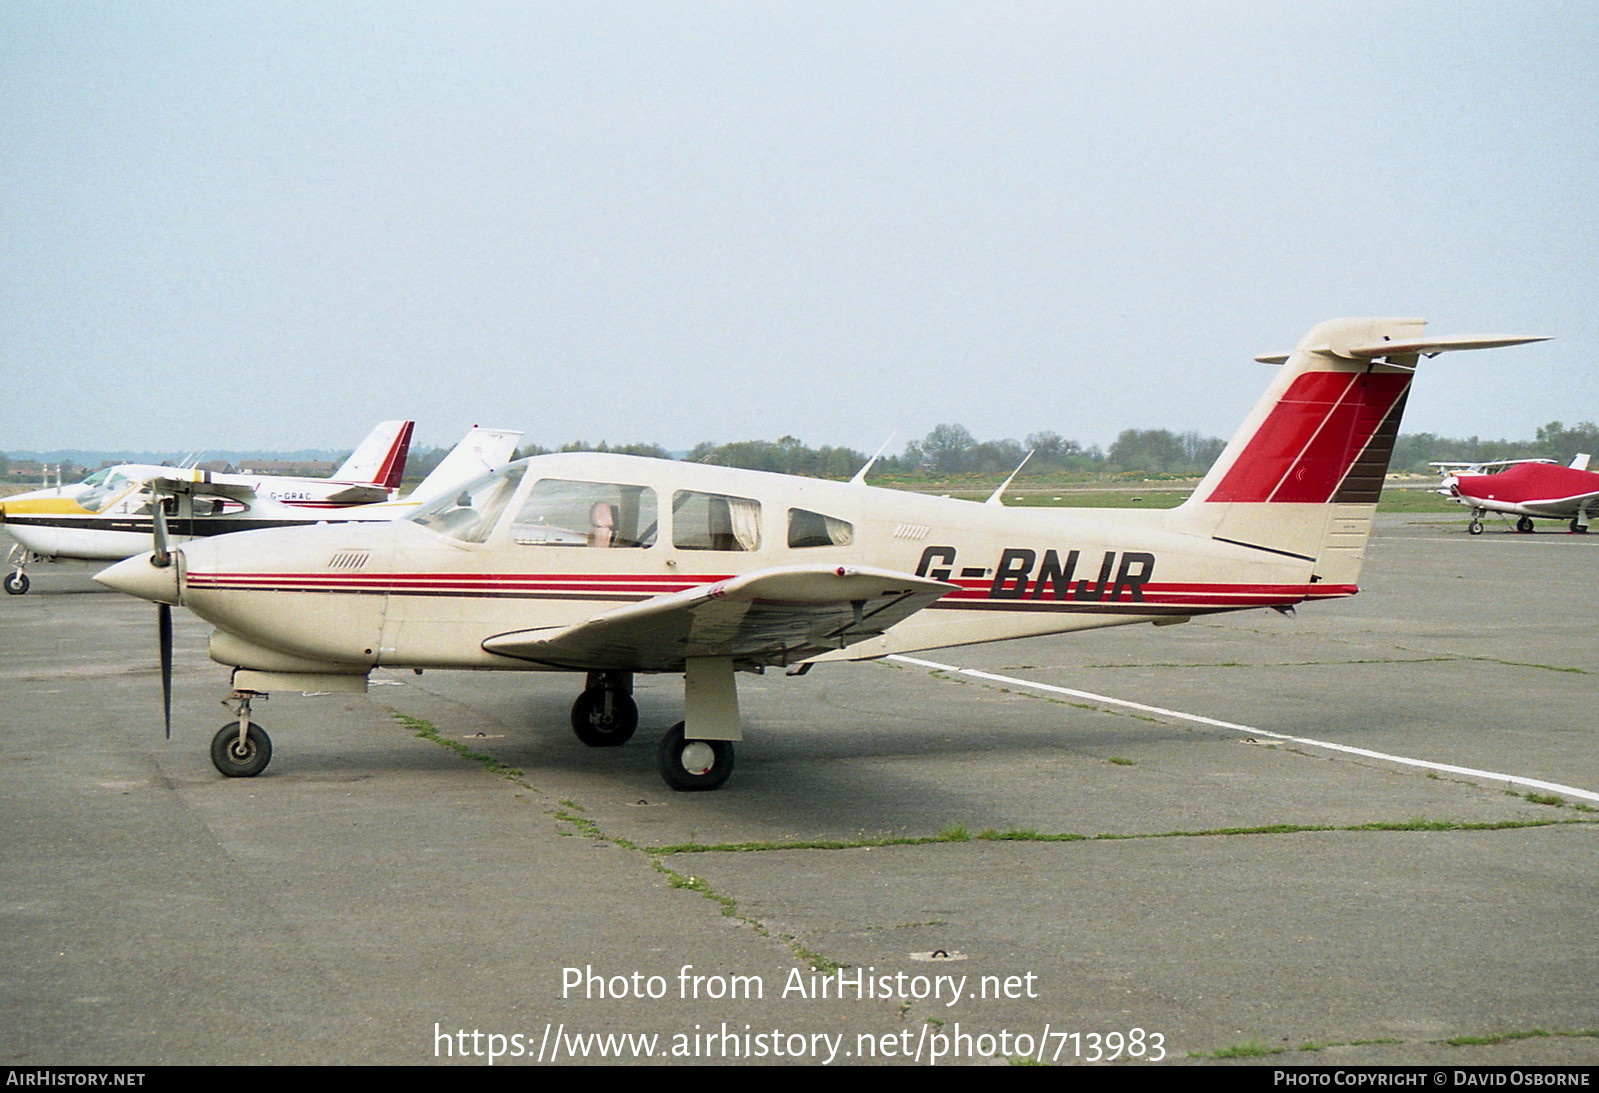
[
  {"x": 393, "y": 467},
  {"x": 1311, "y": 438},
  {"x": 1342, "y": 438}
]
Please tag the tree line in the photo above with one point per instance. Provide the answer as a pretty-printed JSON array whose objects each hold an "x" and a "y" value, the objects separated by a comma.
[{"x": 951, "y": 449}]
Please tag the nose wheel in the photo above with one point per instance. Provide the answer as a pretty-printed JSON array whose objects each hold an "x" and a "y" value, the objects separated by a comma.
[
  {"x": 17, "y": 582},
  {"x": 241, "y": 750}
]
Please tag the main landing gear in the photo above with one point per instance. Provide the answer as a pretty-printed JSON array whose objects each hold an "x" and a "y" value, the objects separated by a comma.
[
  {"x": 693, "y": 764},
  {"x": 1524, "y": 525},
  {"x": 241, "y": 749},
  {"x": 605, "y": 715},
  {"x": 701, "y": 758}
]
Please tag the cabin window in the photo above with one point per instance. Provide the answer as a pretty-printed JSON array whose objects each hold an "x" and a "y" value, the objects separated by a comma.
[
  {"x": 713, "y": 521},
  {"x": 470, "y": 513},
  {"x": 591, "y": 514},
  {"x": 813, "y": 529}
]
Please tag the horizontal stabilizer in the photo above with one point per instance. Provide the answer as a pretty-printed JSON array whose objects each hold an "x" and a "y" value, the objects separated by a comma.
[
  {"x": 772, "y": 617},
  {"x": 1424, "y": 347}
]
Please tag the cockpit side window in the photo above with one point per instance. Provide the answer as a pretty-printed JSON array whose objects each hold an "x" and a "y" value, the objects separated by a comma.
[
  {"x": 470, "y": 513},
  {"x": 593, "y": 514},
  {"x": 713, "y": 521},
  {"x": 813, "y": 529}
]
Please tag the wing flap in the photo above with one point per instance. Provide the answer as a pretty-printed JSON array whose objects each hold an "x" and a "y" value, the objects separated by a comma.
[{"x": 772, "y": 617}]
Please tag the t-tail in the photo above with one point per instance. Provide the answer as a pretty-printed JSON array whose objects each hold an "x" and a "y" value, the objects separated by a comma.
[{"x": 1302, "y": 477}]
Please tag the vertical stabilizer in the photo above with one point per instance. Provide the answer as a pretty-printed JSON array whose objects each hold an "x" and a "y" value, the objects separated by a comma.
[
  {"x": 1303, "y": 475},
  {"x": 480, "y": 451},
  {"x": 380, "y": 458}
]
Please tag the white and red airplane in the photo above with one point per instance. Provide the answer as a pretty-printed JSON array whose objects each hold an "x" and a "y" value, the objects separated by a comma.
[
  {"x": 114, "y": 517},
  {"x": 611, "y": 565},
  {"x": 1526, "y": 488}
]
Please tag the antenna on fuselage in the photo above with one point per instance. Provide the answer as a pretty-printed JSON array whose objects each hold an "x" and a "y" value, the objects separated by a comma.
[
  {"x": 995, "y": 497},
  {"x": 860, "y": 475}
]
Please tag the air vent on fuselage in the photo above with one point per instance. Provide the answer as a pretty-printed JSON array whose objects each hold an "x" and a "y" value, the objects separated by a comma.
[{"x": 349, "y": 559}]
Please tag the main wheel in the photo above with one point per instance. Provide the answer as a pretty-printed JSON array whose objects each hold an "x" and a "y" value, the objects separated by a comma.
[
  {"x": 694, "y": 764},
  {"x": 599, "y": 728},
  {"x": 241, "y": 760},
  {"x": 17, "y": 583},
  {"x": 1475, "y": 527},
  {"x": 1578, "y": 529},
  {"x": 1524, "y": 525}
]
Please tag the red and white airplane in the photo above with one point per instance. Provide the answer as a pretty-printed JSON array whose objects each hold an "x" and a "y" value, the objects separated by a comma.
[
  {"x": 611, "y": 565},
  {"x": 114, "y": 517},
  {"x": 107, "y": 515},
  {"x": 1526, "y": 488}
]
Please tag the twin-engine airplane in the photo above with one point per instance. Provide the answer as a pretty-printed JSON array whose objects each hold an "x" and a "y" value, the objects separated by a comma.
[
  {"x": 611, "y": 565},
  {"x": 117, "y": 517},
  {"x": 1525, "y": 488},
  {"x": 107, "y": 515}
]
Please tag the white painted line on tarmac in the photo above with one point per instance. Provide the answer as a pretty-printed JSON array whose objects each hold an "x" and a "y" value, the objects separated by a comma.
[{"x": 1470, "y": 772}]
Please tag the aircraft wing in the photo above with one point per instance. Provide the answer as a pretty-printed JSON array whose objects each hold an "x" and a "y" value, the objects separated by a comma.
[
  {"x": 771, "y": 617},
  {"x": 1561, "y": 507},
  {"x": 236, "y": 491}
]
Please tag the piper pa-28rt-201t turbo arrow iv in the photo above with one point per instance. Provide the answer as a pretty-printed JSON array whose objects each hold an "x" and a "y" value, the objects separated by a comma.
[{"x": 611, "y": 565}]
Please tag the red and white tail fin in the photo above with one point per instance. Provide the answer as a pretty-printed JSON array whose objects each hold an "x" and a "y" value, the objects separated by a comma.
[
  {"x": 1303, "y": 475},
  {"x": 380, "y": 459}
]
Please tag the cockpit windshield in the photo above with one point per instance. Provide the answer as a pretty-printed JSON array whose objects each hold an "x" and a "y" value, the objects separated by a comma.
[
  {"x": 109, "y": 488},
  {"x": 470, "y": 512}
]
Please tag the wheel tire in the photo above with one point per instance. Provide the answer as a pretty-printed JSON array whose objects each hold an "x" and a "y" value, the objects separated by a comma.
[
  {"x": 241, "y": 762},
  {"x": 17, "y": 584},
  {"x": 693, "y": 765},
  {"x": 1475, "y": 527},
  {"x": 1576, "y": 528},
  {"x": 596, "y": 729},
  {"x": 1524, "y": 525}
]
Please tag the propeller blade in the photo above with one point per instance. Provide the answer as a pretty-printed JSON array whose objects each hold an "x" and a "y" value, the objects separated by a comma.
[
  {"x": 163, "y": 620},
  {"x": 163, "y": 551}
]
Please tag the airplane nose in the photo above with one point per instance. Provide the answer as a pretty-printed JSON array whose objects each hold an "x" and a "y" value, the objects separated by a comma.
[{"x": 140, "y": 576}]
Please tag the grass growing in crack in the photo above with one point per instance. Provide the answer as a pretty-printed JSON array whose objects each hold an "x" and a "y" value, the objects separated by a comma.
[
  {"x": 427, "y": 731},
  {"x": 1248, "y": 1049},
  {"x": 1546, "y": 799},
  {"x": 1120, "y": 761},
  {"x": 959, "y": 834}
]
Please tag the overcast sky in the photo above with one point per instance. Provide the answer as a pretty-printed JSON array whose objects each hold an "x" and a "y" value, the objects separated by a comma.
[{"x": 269, "y": 225}]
